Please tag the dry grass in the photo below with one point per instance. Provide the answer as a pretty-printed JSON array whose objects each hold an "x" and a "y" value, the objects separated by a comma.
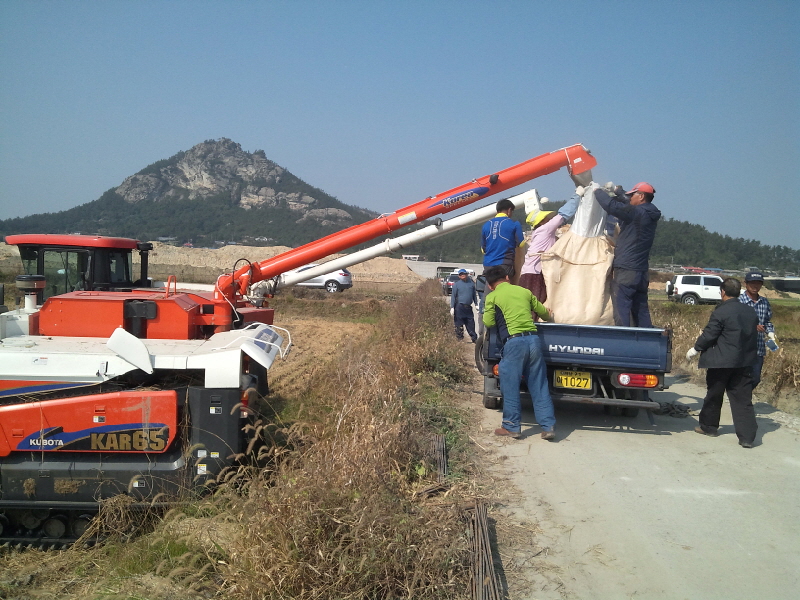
[
  {"x": 781, "y": 372},
  {"x": 335, "y": 515},
  {"x": 327, "y": 508}
]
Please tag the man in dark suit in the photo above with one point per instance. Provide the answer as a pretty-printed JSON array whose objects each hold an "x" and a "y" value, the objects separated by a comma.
[{"x": 728, "y": 347}]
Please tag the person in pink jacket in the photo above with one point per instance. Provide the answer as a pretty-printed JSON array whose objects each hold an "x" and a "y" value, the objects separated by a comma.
[{"x": 545, "y": 223}]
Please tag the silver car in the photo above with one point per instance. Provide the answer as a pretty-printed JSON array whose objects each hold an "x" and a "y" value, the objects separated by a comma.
[{"x": 336, "y": 281}]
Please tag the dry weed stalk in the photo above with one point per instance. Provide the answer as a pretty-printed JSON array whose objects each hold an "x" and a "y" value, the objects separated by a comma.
[{"x": 336, "y": 517}]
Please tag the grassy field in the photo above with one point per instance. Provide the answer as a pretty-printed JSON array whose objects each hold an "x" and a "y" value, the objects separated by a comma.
[{"x": 329, "y": 506}]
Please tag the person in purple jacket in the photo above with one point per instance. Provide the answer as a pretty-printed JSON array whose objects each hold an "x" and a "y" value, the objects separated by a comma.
[
  {"x": 545, "y": 223},
  {"x": 637, "y": 217}
]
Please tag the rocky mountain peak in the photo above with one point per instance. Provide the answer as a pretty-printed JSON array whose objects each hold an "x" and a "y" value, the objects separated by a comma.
[{"x": 221, "y": 167}]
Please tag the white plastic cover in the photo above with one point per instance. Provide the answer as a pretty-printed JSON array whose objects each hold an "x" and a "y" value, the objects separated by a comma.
[
  {"x": 590, "y": 219},
  {"x": 131, "y": 348}
]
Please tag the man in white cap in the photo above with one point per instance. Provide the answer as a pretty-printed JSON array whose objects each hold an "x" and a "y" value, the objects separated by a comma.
[
  {"x": 637, "y": 217},
  {"x": 750, "y": 296},
  {"x": 461, "y": 301}
]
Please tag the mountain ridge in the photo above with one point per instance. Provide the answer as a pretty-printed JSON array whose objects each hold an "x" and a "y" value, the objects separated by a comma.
[{"x": 213, "y": 192}]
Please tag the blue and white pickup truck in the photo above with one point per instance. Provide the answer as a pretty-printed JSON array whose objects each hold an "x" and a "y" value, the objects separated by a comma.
[{"x": 592, "y": 364}]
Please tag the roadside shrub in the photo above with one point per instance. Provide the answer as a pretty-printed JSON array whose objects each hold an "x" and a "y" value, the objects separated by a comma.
[
  {"x": 336, "y": 516},
  {"x": 420, "y": 336}
]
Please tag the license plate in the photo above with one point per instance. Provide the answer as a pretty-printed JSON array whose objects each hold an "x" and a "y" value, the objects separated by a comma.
[{"x": 575, "y": 380}]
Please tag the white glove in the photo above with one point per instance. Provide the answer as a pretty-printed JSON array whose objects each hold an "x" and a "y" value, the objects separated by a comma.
[
  {"x": 580, "y": 190},
  {"x": 691, "y": 354},
  {"x": 544, "y": 200},
  {"x": 771, "y": 335},
  {"x": 453, "y": 312},
  {"x": 609, "y": 187}
]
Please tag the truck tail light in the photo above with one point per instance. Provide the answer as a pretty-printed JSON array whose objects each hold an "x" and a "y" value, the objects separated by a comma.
[{"x": 639, "y": 380}]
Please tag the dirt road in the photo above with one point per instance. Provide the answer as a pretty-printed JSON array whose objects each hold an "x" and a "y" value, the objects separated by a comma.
[{"x": 627, "y": 510}]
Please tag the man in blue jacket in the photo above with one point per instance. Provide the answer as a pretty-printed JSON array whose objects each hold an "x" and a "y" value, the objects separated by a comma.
[
  {"x": 637, "y": 217},
  {"x": 729, "y": 348},
  {"x": 500, "y": 238},
  {"x": 461, "y": 301}
]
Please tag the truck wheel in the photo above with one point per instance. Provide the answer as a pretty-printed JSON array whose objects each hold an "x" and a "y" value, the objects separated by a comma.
[
  {"x": 332, "y": 287},
  {"x": 490, "y": 399},
  {"x": 480, "y": 360},
  {"x": 612, "y": 411},
  {"x": 689, "y": 299}
]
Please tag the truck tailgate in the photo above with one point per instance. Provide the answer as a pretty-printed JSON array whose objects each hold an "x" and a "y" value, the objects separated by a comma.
[{"x": 607, "y": 346}]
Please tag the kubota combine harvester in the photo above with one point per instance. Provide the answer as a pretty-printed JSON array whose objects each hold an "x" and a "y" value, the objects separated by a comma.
[{"x": 109, "y": 387}]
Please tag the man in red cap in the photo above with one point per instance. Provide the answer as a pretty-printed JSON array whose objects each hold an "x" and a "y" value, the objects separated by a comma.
[{"x": 638, "y": 217}]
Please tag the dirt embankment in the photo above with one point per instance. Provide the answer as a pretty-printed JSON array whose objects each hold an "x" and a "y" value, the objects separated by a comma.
[{"x": 204, "y": 265}]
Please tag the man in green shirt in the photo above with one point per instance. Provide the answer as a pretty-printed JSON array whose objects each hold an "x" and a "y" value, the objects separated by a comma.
[{"x": 508, "y": 307}]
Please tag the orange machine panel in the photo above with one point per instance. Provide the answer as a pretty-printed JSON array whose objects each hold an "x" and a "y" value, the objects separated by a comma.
[
  {"x": 137, "y": 421},
  {"x": 97, "y": 314}
]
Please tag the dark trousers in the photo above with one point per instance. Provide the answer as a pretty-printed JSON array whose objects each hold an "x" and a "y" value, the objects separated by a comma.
[
  {"x": 462, "y": 318},
  {"x": 757, "y": 366},
  {"x": 537, "y": 286},
  {"x": 629, "y": 297},
  {"x": 739, "y": 385}
]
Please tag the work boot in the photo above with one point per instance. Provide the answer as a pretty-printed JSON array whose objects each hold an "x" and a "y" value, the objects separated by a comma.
[
  {"x": 746, "y": 444},
  {"x": 549, "y": 435},
  {"x": 709, "y": 432},
  {"x": 502, "y": 431}
]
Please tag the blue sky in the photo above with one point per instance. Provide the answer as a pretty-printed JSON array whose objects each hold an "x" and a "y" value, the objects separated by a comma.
[{"x": 384, "y": 103}]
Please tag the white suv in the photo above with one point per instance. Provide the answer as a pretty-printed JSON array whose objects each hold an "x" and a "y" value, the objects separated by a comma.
[{"x": 694, "y": 289}]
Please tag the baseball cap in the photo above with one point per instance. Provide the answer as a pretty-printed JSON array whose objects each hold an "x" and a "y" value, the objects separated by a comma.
[
  {"x": 641, "y": 187},
  {"x": 755, "y": 276},
  {"x": 462, "y": 271}
]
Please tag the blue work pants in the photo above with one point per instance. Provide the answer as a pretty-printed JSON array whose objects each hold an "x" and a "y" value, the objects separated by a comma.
[
  {"x": 756, "y": 374},
  {"x": 463, "y": 317},
  {"x": 522, "y": 358},
  {"x": 629, "y": 297}
]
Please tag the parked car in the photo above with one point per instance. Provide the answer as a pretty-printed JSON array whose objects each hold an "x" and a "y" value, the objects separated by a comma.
[
  {"x": 447, "y": 284},
  {"x": 336, "y": 281},
  {"x": 694, "y": 289}
]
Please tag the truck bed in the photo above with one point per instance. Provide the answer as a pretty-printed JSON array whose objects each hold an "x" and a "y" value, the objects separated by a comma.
[{"x": 599, "y": 353}]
